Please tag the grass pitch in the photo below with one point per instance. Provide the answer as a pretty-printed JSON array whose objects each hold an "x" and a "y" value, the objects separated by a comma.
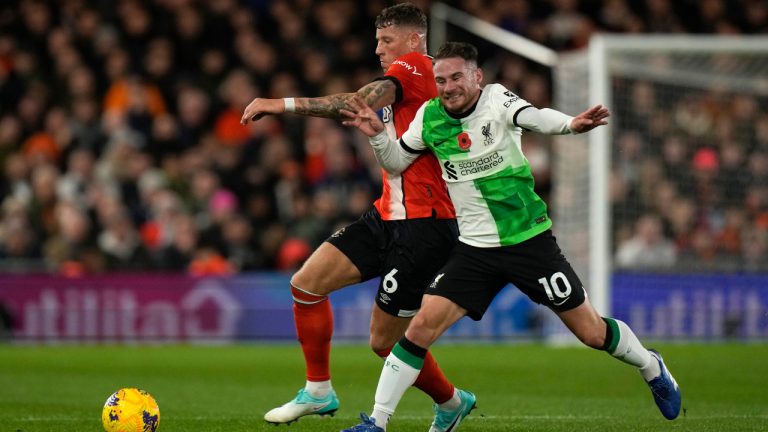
[{"x": 519, "y": 387}]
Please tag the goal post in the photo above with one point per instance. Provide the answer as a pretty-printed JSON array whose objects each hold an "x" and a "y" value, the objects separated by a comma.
[{"x": 620, "y": 71}]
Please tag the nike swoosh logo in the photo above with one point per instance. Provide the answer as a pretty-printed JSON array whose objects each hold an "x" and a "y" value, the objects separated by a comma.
[
  {"x": 453, "y": 425},
  {"x": 559, "y": 304},
  {"x": 319, "y": 407}
]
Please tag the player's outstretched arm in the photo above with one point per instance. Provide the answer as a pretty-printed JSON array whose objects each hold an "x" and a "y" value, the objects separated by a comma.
[
  {"x": 391, "y": 156},
  {"x": 553, "y": 122},
  {"x": 590, "y": 119},
  {"x": 376, "y": 94}
]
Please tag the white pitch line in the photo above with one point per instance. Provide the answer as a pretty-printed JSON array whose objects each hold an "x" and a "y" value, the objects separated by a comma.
[
  {"x": 471, "y": 417},
  {"x": 581, "y": 417}
]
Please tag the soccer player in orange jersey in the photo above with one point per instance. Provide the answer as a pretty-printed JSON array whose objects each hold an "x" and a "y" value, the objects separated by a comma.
[{"x": 404, "y": 239}]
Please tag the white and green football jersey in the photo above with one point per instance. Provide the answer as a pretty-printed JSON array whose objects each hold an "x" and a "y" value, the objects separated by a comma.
[{"x": 488, "y": 177}]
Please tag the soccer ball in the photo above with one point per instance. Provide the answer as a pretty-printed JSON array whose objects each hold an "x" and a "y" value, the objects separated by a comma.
[{"x": 130, "y": 410}]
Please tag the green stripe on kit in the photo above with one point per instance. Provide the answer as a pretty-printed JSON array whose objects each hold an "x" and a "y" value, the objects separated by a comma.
[
  {"x": 518, "y": 212},
  {"x": 407, "y": 358},
  {"x": 615, "y": 335}
]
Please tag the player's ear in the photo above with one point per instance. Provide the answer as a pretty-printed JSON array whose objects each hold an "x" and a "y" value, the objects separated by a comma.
[
  {"x": 413, "y": 40},
  {"x": 479, "y": 76}
]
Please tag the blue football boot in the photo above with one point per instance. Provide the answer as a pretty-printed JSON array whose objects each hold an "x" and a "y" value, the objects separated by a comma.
[
  {"x": 367, "y": 424},
  {"x": 665, "y": 391}
]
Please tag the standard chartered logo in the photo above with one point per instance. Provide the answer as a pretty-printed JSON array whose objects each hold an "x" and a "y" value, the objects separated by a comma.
[
  {"x": 450, "y": 170},
  {"x": 472, "y": 166},
  {"x": 483, "y": 164}
]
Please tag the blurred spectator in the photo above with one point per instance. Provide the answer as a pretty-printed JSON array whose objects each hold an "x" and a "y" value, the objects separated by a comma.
[
  {"x": 705, "y": 254},
  {"x": 292, "y": 254},
  {"x": 19, "y": 241},
  {"x": 68, "y": 249},
  {"x": 179, "y": 252},
  {"x": 647, "y": 248},
  {"x": 729, "y": 237},
  {"x": 122, "y": 244},
  {"x": 755, "y": 249},
  {"x": 676, "y": 166},
  {"x": 660, "y": 17},
  {"x": 681, "y": 217},
  {"x": 208, "y": 262},
  {"x": 239, "y": 245},
  {"x": 73, "y": 185}
]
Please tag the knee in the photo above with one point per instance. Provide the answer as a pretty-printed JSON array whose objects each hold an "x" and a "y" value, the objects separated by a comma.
[
  {"x": 380, "y": 346},
  {"x": 313, "y": 285},
  {"x": 421, "y": 331},
  {"x": 381, "y": 342}
]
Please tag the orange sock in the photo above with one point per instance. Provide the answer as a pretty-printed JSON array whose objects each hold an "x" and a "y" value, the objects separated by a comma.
[
  {"x": 431, "y": 379},
  {"x": 314, "y": 327}
]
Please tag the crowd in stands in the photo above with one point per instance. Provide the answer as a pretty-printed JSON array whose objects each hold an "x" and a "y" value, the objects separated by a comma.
[
  {"x": 121, "y": 147},
  {"x": 690, "y": 182}
]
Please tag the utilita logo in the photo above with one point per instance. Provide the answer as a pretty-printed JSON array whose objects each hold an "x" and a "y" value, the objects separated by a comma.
[{"x": 207, "y": 311}]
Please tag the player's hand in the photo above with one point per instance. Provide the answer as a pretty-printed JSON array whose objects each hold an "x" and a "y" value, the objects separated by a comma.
[
  {"x": 590, "y": 119},
  {"x": 363, "y": 117},
  {"x": 259, "y": 107}
]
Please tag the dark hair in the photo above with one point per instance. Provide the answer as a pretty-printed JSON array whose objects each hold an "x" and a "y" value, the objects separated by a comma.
[
  {"x": 403, "y": 14},
  {"x": 463, "y": 50}
]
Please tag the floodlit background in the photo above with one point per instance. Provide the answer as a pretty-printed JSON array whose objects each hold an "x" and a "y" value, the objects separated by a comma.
[{"x": 139, "y": 218}]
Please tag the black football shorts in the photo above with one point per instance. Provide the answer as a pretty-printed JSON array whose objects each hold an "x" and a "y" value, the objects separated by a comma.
[
  {"x": 473, "y": 276},
  {"x": 406, "y": 254}
]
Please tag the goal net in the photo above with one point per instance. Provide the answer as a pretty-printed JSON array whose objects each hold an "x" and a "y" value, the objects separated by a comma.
[{"x": 677, "y": 184}]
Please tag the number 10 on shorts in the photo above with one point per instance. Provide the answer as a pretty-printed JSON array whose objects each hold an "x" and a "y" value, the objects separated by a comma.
[{"x": 552, "y": 286}]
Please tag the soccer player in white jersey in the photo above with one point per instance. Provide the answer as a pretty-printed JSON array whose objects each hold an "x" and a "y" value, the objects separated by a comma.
[{"x": 504, "y": 229}]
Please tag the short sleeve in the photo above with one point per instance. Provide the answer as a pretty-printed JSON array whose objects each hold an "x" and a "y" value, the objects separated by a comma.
[
  {"x": 412, "y": 72},
  {"x": 398, "y": 86}
]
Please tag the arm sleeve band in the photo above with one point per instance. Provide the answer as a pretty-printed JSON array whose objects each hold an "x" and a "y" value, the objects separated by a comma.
[
  {"x": 409, "y": 149},
  {"x": 398, "y": 86}
]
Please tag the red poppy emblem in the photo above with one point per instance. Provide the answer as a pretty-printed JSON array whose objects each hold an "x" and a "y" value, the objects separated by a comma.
[{"x": 464, "y": 141}]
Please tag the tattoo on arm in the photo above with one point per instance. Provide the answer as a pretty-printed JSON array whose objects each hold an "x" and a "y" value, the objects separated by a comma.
[
  {"x": 376, "y": 94},
  {"x": 326, "y": 106}
]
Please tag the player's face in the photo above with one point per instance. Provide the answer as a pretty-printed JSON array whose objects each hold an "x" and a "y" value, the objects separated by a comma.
[
  {"x": 458, "y": 83},
  {"x": 391, "y": 43}
]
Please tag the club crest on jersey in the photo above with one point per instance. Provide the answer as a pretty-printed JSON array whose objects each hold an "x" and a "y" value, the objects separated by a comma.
[
  {"x": 437, "y": 280},
  {"x": 487, "y": 134},
  {"x": 339, "y": 233},
  {"x": 464, "y": 141}
]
